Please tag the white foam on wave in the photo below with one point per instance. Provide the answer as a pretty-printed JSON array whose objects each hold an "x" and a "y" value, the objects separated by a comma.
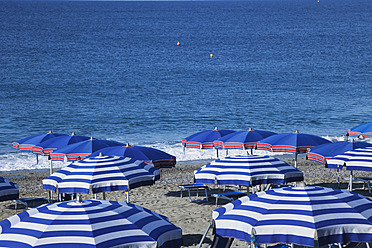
[{"x": 25, "y": 161}]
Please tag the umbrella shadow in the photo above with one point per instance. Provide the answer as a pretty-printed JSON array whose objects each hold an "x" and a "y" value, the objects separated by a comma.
[
  {"x": 199, "y": 198},
  {"x": 193, "y": 239}
]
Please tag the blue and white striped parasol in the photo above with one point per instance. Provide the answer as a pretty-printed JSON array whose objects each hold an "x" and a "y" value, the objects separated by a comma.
[
  {"x": 102, "y": 174},
  {"x": 298, "y": 215},
  {"x": 358, "y": 159},
  {"x": 247, "y": 170},
  {"x": 88, "y": 224},
  {"x": 8, "y": 190}
]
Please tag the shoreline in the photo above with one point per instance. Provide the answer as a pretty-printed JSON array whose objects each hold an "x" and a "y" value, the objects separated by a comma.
[{"x": 164, "y": 197}]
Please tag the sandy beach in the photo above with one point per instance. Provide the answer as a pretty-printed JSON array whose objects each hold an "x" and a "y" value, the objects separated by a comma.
[{"x": 164, "y": 197}]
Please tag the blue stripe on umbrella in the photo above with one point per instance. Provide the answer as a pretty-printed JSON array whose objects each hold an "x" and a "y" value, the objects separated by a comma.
[
  {"x": 358, "y": 159},
  {"x": 297, "y": 215},
  {"x": 326, "y": 151},
  {"x": 247, "y": 170},
  {"x": 102, "y": 174},
  {"x": 91, "y": 223}
]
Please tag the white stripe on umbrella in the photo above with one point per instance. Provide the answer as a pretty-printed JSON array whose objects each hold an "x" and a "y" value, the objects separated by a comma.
[
  {"x": 247, "y": 170},
  {"x": 297, "y": 215},
  {"x": 91, "y": 223},
  {"x": 358, "y": 159},
  {"x": 102, "y": 174}
]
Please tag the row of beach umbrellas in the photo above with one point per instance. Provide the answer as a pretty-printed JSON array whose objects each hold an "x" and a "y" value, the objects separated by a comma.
[
  {"x": 92, "y": 223},
  {"x": 229, "y": 139},
  {"x": 299, "y": 215},
  {"x": 302, "y": 215},
  {"x": 61, "y": 147}
]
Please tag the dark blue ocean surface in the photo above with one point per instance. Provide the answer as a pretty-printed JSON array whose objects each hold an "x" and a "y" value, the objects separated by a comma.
[{"x": 113, "y": 70}]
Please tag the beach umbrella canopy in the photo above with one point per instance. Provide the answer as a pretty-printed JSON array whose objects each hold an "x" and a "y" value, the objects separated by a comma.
[
  {"x": 8, "y": 190},
  {"x": 291, "y": 142},
  {"x": 82, "y": 149},
  {"x": 26, "y": 144},
  {"x": 242, "y": 139},
  {"x": 326, "y": 151},
  {"x": 358, "y": 159},
  {"x": 102, "y": 174},
  {"x": 204, "y": 139},
  {"x": 55, "y": 143},
  {"x": 298, "y": 215},
  {"x": 89, "y": 224},
  {"x": 364, "y": 130},
  {"x": 247, "y": 170},
  {"x": 157, "y": 157}
]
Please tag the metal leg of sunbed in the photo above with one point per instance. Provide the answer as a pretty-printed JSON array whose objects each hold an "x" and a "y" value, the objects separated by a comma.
[{"x": 205, "y": 234}]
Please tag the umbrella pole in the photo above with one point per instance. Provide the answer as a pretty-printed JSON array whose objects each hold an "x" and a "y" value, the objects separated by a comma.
[
  {"x": 295, "y": 159},
  {"x": 351, "y": 181},
  {"x": 50, "y": 194},
  {"x": 217, "y": 152},
  {"x": 103, "y": 195},
  {"x": 51, "y": 167},
  {"x": 37, "y": 158},
  {"x": 338, "y": 179},
  {"x": 253, "y": 238}
]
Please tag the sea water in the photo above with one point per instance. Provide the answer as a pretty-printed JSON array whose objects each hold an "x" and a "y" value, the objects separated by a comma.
[{"x": 113, "y": 70}]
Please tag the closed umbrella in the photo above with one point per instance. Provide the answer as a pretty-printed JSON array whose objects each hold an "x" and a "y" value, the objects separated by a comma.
[
  {"x": 363, "y": 130},
  {"x": 157, "y": 157},
  {"x": 81, "y": 149},
  {"x": 291, "y": 142},
  {"x": 308, "y": 216},
  {"x": 242, "y": 139},
  {"x": 247, "y": 170},
  {"x": 102, "y": 174},
  {"x": 8, "y": 190},
  {"x": 89, "y": 224}
]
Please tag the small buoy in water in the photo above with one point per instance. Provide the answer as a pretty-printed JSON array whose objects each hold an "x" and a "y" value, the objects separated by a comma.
[
  {"x": 178, "y": 43},
  {"x": 211, "y": 55}
]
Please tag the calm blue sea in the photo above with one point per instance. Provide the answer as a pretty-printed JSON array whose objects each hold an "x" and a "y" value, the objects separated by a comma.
[{"x": 113, "y": 70}]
